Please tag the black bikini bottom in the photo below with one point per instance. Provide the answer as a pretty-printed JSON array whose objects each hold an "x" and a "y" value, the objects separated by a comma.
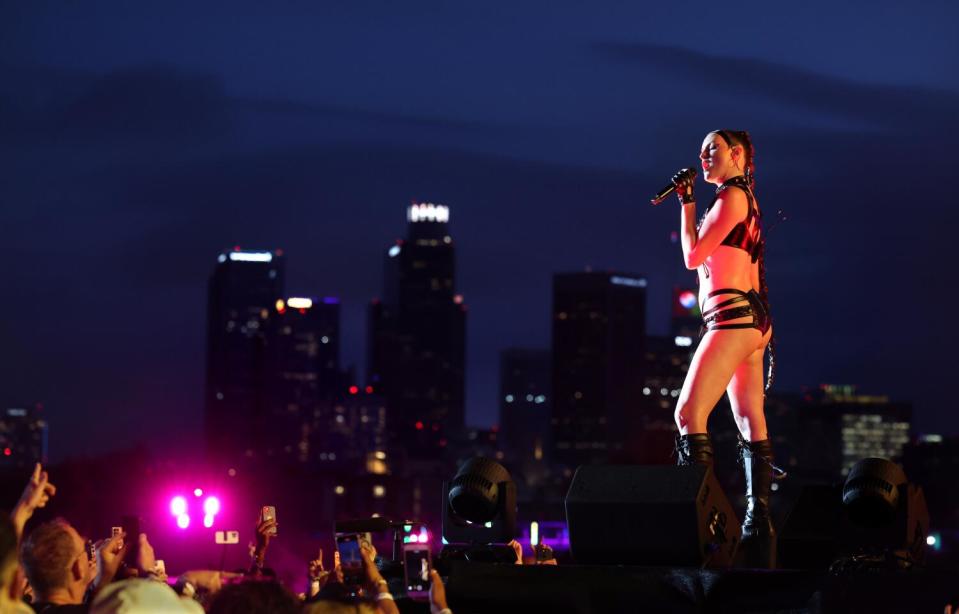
[{"x": 724, "y": 311}]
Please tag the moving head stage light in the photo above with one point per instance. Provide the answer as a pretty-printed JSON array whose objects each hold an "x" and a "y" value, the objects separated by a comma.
[
  {"x": 479, "y": 513},
  {"x": 875, "y": 520},
  {"x": 887, "y": 516}
]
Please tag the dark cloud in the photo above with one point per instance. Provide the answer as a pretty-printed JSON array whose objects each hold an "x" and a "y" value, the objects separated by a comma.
[{"x": 858, "y": 104}]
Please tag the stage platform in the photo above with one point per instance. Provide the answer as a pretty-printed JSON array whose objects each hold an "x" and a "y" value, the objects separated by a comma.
[{"x": 476, "y": 588}]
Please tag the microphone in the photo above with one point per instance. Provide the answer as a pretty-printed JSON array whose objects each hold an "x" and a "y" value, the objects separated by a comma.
[{"x": 662, "y": 194}]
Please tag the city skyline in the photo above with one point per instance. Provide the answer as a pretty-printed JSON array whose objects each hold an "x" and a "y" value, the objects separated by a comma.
[{"x": 130, "y": 162}]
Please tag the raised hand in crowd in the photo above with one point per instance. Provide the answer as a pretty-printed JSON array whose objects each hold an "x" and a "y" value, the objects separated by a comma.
[
  {"x": 376, "y": 587},
  {"x": 265, "y": 531},
  {"x": 316, "y": 575},
  {"x": 109, "y": 555},
  {"x": 518, "y": 549},
  {"x": 35, "y": 495},
  {"x": 438, "y": 603}
]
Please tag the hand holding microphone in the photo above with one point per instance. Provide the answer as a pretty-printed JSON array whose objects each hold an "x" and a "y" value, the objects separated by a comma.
[{"x": 682, "y": 183}]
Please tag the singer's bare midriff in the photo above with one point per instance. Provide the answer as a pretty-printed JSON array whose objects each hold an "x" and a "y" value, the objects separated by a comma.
[{"x": 729, "y": 267}]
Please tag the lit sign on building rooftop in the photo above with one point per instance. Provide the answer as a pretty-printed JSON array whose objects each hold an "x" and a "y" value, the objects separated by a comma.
[
  {"x": 297, "y": 302},
  {"x": 428, "y": 212},
  {"x": 251, "y": 256},
  {"x": 627, "y": 281}
]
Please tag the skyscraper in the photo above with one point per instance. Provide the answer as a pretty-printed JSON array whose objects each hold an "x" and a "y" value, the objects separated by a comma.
[
  {"x": 243, "y": 292},
  {"x": 23, "y": 436},
  {"x": 525, "y": 403},
  {"x": 303, "y": 374},
  {"x": 599, "y": 340},
  {"x": 418, "y": 335}
]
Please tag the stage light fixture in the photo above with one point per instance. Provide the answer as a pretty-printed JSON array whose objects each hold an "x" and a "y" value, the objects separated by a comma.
[
  {"x": 211, "y": 506},
  {"x": 887, "y": 516},
  {"x": 479, "y": 512},
  {"x": 177, "y": 506}
]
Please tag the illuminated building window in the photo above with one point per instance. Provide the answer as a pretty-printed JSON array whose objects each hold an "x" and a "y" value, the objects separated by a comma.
[
  {"x": 379, "y": 491},
  {"x": 339, "y": 490}
]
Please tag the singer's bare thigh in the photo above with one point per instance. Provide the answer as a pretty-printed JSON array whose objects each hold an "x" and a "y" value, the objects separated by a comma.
[
  {"x": 719, "y": 354},
  {"x": 745, "y": 392}
]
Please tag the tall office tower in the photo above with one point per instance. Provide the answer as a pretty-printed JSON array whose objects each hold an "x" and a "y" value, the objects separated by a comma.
[
  {"x": 525, "y": 407},
  {"x": 243, "y": 292},
  {"x": 667, "y": 361},
  {"x": 23, "y": 437},
  {"x": 303, "y": 373},
  {"x": 418, "y": 336},
  {"x": 832, "y": 429},
  {"x": 599, "y": 351}
]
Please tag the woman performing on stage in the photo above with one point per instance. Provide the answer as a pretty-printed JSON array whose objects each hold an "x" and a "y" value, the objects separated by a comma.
[{"x": 726, "y": 249}]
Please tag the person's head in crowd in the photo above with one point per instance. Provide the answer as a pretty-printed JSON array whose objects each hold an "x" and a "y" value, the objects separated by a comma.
[
  {"x": 57, "y": 563},
  {"x": 136, "y": 596},
  {"x": 254, "y": 596},
  {"x": 333, "y": 606}
]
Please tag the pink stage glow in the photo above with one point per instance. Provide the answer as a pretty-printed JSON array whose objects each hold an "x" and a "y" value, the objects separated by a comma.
[
  {"x": 208, "y": 520},
  {"x": 183, "y": 521},
  {"x": 211, "y": 507},
  {"x": 178, "y": 506}
]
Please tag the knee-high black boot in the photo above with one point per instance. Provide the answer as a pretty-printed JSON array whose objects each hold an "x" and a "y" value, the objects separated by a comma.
[
  {"x": 695, "y": 448},
  {"x": 758, "y": 545}
]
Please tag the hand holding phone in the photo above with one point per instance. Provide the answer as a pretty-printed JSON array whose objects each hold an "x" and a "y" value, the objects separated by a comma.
[
  {"x": 417, "y": 565},
  {"x": 267, "y": 524}
]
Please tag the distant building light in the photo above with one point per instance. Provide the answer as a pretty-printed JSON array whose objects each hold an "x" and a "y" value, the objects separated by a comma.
[
  {"x": 447, "y": 240},
  {"x": 687, "y": 299},
  {"x": 931, "y": 438},
  {"x": 379, "y": 491},
  {"x": 354, "y": 389},
  {"x": 428, "y": 212},
  {"x": 458, "y": 299},
  {"x": 509, "y": 398},
  {"x": 380, "y": 454},
  {"x": 394, "y": 251},
  {"x": 324, "y": 339},
  {"x": 339, "y": 490},
  {"x": 221, "y": 258},
  {"x": 541, "y": 398},
  {"x": 529, "y": 398},
  {"x": 646, "y": 391},
  {"x": 297, "y": 302},
  {"x": 627, "y": 281},
  {"x": 251, "y": 256},
  {"x": 664, "y": 391},
  {"x": 16, "y": 411},
  {"x": 683, "y": 342}
]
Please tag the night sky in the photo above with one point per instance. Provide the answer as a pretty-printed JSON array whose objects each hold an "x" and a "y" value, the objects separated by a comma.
[{"x": 137, "y": 143}]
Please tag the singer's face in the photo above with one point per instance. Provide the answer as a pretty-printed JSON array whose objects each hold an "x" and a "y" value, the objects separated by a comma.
[{"x": 716, "y": 158}]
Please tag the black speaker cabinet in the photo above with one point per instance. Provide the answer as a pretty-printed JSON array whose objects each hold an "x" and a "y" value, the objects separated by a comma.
[{"x": 650, "y": 515}]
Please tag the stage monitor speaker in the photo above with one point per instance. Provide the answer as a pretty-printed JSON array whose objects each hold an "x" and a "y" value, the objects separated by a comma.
[{"x": 650, "y": 515}]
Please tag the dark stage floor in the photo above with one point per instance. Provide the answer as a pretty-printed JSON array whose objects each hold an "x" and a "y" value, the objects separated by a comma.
[{"x": 496, "y": 589}]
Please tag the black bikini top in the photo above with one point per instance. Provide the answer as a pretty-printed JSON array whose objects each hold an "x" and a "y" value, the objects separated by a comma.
[{"x": 740, "y": 237}]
